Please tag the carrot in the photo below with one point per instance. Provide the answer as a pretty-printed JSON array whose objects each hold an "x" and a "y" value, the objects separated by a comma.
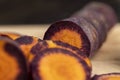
[
  {"x": 44, "y": 44},
  {"x": 13, "y": 64},
  {"x": 59, "y": 64},
  {"x": 87, "y": 29}
]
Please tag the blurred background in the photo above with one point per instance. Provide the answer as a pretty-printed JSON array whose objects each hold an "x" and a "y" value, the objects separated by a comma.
[{"x": 43, "y": 11}]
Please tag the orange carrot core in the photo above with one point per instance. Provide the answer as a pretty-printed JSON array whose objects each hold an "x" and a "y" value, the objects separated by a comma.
[
  {"x": 68, "y": 36},
  {"x": 58, "y": 66}
]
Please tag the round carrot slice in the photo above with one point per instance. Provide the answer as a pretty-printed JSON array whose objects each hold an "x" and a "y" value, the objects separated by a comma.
[
  {"x": 109, "y": 76},
  {"x": 59, "y": 64},
  {"x": 12, "y": 61},
  {"x": 44, "y": 44}
]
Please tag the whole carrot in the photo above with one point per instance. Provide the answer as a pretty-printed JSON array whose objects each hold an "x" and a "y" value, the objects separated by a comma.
[{"x": 87, "y": 29}]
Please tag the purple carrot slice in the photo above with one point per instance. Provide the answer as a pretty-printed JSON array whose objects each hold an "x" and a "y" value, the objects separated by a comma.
[
  {"x": 59, "y": 64},
  {"x": 13, "y": 64},
  {"x": 44, "y": 44}
]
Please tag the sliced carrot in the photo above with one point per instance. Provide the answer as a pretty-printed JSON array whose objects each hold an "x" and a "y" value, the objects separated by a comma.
[
  {"x": 59, "y": 64},
  {"x": 87, "y": 29},
  {"x": 13, "y": 64},
  {"x": 44, "y": 44}
]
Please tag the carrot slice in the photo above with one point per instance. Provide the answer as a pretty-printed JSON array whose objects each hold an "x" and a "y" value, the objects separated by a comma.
[
  {"x": 59, "y": 64},
  {"x": 44, "y": 44},
  {"x": 13, "y": 64}
]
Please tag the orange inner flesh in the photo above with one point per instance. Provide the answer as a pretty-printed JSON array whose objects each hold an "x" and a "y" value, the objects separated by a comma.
[
  {"x": 109, "y": 77},
  {"x": 31, "y": 57},
  {"x": 59, "y": 66},
  {"x": 9, "y": 68},
  {"x": 51, "y": 44},
  {"x": 68, "y": 36}
]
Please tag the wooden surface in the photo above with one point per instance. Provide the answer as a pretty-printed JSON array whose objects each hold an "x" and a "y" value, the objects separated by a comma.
[{"x": 106, "y": 60}]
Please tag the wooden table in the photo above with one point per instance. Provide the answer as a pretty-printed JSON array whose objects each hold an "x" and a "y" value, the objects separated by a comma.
[{"x": 106, "y": 60}]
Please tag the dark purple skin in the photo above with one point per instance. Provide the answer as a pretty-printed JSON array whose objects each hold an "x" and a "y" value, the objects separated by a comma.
[
  {"x": 24, "y": 40},
  {"x": 96, "y": 77},
  {"x": 106, "y": 10},
  {"x": 47, "y": 52},
  {"x": 103, "y": 15},
  {"x": 98, "y": 23},
  {"x": 12, "y": 48},
  {"x": 93, "y": 23}
]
